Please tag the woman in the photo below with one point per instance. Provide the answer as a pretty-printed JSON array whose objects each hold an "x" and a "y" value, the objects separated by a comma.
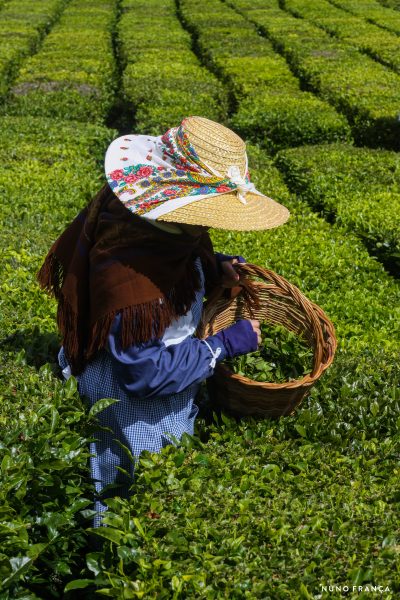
[{"x": 130, "y": 274}]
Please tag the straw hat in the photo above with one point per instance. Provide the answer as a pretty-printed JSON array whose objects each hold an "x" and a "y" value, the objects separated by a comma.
[{"x": 194, "y": 174}]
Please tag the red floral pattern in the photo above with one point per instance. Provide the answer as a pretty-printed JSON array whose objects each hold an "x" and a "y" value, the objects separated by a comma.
[
  {"x": 184, "y": 175},
  {"x": 145, "y": 172}
]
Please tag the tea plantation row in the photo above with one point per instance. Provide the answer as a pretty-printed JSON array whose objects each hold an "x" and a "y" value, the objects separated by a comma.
[
  {"x": 45, "y": 444},
  {"x": 372, "y": 11},
  {"x": 380, "y": 44},
  {"x": 366, "y": 91},
  {"x": 22, "y": 26},
  {"x": 371, "y": 210},
  {"x": 268, "y": 509},
  {"x": 267, "y": 100},
  {"x": 395, "y": 4},
  {"x": 161, "y": 74},
  {"x": 49, "y": 169},
  {"x": 73, "y": 74}
]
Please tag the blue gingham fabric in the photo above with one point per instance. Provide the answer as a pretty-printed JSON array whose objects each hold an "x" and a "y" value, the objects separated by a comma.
[{"x": 137, "y": 423}]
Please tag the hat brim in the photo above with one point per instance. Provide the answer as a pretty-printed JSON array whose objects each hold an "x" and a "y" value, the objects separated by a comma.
[{"x": 225, "y": 211}]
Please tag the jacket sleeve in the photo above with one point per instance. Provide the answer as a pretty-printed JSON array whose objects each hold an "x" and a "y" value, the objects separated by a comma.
[
  {"x": 154, "y": 369},
  {"x": 220, "y": 257}
]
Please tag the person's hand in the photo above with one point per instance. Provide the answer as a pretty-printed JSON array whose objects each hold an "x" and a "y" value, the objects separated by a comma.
[{"x": 230, "y": 278}]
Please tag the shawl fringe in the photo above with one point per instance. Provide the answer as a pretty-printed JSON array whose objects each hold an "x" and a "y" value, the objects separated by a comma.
[
  {"x": 139, "y": 322},
  {"x": 51, "y": 275},
  {"x": 107, "y": 248}
]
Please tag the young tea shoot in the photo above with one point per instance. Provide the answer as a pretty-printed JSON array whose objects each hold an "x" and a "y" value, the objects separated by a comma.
[{"x": 282, "y": 356}]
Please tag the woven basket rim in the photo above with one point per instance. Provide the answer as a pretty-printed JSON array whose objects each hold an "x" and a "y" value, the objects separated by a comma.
[
  {"x": 318, "y": 315},
  {"x": 307, "y": 380}
]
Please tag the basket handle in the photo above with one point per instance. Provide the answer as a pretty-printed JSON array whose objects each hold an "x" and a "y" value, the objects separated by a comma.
[
  {"x": 244, "y": 287},
  {"x": 246, "y": 270}
]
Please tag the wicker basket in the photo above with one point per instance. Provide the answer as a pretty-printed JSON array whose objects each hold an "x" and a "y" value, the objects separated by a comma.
[{"x": 268, "y": 297}]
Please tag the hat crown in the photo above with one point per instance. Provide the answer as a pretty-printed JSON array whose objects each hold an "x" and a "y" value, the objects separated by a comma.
[{"x": 217, "y": 146}]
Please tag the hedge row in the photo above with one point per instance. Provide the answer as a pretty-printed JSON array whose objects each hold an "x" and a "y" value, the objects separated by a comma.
[
  {"x": 372, "y": 11},
  {"x": 73, "y": 75},
  {"x": 328, "y": 263},
  {"x": 368, "y": 38},
  {"x": 59, "y": 190},
  {"x": 358, "y": 186},
  {"x": 22, "y": 25},
  {"x": 46, "y": 177},
  {"x": 395, "y": 4},
  {"x": 48, "y": 172},
  {"x": 163, "y": 80},
  {"x": 268, "y": 104},
  {"x": 253, "y": 513},
  {"x": 364, "y": 90}
]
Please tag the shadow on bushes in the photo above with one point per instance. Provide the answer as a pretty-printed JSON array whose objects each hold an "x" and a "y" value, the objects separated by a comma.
[{"x": 37, "y": 347}]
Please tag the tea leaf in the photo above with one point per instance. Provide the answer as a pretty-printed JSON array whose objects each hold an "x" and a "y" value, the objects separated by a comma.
[{"x": 101, "y": 405}]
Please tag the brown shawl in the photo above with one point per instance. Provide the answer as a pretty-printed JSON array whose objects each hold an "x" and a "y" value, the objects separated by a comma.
[{"x": 111, "y": 261}]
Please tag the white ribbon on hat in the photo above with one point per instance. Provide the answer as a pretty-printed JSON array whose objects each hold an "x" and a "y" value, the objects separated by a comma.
[{"x": 242, "y": 185}]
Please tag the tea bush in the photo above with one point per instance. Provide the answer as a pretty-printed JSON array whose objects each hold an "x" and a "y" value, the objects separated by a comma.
[
  {"x": 364, "y": 90},
  {"x": 171, "y": 537},
  {"x": 45, "y": 496},
  {"x": 358, "y": 186},
  {"x": 162, "y": 77},
  {"x": 220, "y": 520},
  {"x": 266, "y": 99},
  {"x": 52, "y": 152},
  {"x": 72, "y": 76},
  {"x": 329, "y": 264},
  {"x": 373, "y": 12},
  {"x": 191, "y": 555},
  {"x": 395, "y": 4},
  {"x": 44, "y": 483},
  {"x": 22, "y": 26},
  {"x": 366, "y": 37},
  {"x": 282, "y": 356}
]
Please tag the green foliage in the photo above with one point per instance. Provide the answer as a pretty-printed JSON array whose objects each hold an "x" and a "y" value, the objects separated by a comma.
[
  {"x": 359, "y": 186},
  {"x": 395, "y": 4},
  {"x": 23, "y": 23},
  {"x": 372, "y": 11},
  {"x": 195, "y": 525},
  {"x": 330, "y": 265},
  {"x": 364, "y": 90},
  {"x": 49, "y": 170},
  {"x": 162, "y": 78},
  {"x": 278, "y": 121},
  {"x": 367, "y": 37},
  {"x": 282, "y": 356},
  {"x": 268, "y": 103},
  {"x": 219, "y": 520},
  {"x": 45, "y": 492},
  {"x": 72, "y": 76}
]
